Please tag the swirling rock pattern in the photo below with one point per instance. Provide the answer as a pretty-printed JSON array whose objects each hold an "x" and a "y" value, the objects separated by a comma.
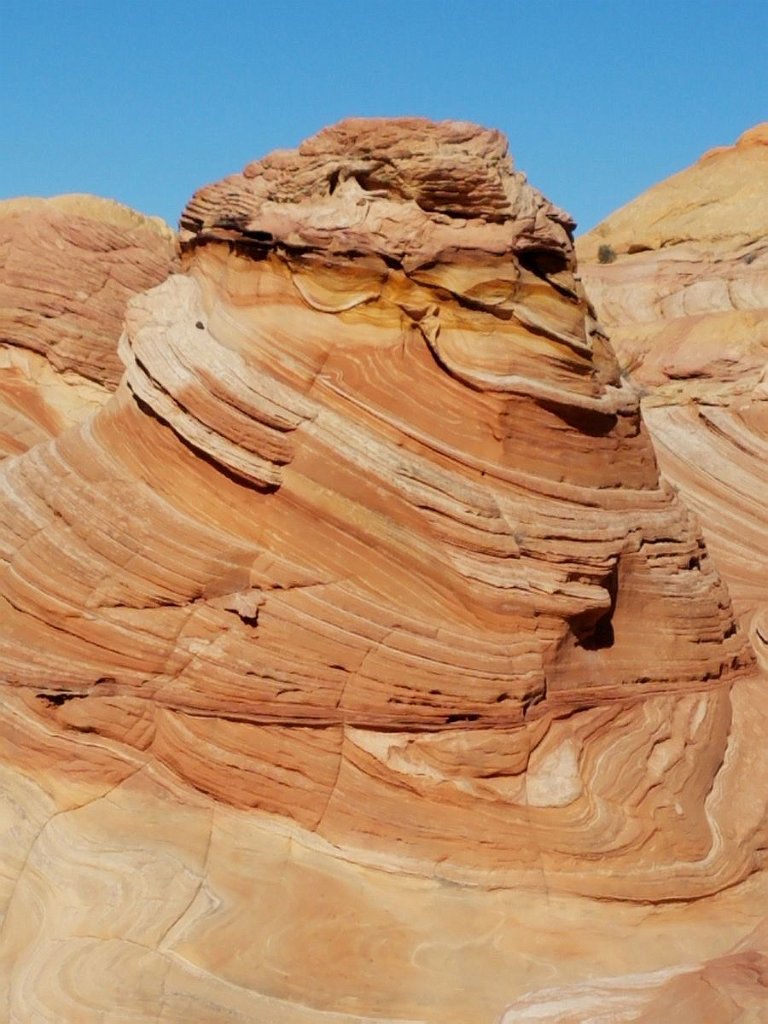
[
  {"x": 686, "y": 302},
  {"x": 686, "y": 305},
  {"x": 686, "y": 299},
  {"x": 363, "y": 591},
  {"x": 68, "y": 266}
]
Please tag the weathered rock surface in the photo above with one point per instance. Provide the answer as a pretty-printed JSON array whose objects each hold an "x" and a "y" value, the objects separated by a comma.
[
  {"x": 68, "y": 266},
  {"x": 686, "y": 299},
  {"x": 356, "y": 645},
  {"x": 686, "y": 305},
  {"x": 686, "y": 302},
  {"x": 722, "y": 991}
]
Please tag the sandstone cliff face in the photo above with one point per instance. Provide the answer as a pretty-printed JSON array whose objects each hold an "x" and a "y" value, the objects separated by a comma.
[
  {"x": 686, "y": 302},
  {"x": 68, "y": 266},
  {"x": 686, "y": 305},
  {"x": 356, "y": 640}
]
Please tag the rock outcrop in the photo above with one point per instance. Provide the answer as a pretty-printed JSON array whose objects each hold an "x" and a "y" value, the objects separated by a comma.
[
  {"x": 68, "y": 266},
  {"x": 356, "y": 642},
  {"x": 686, "y": 305},
  {"x": 686, "y": 299}
]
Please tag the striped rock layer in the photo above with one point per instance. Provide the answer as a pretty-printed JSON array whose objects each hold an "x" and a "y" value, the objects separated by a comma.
[
  {"x": 68, "y": 266},
  {"x": 685, "y": 300},
  {"x": 686, "y": 305},
  {"x": 363, "y": 591}
]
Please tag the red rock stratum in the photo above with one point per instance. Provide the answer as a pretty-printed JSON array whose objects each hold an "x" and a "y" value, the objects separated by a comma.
[
  {"x": 356, "y": 645},
  {"x": 68, "y": 266},
  {"x": 686, "y": 304}
]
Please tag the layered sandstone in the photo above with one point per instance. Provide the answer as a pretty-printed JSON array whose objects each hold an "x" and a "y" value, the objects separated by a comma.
[
  {"x": 356, "y": 644},
  {"x": 686, "y": 305},
  {"x": 731, "y": 989},
  {"x": 686, "y": 299},
  {"x": 68, "y": 266}
]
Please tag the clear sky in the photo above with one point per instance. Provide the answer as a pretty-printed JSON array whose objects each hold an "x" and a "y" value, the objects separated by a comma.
[{"x": 146, "y": 100}]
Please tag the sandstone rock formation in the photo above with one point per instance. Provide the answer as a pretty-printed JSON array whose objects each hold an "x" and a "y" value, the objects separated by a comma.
[
  {"x": 727, "y": 989},
  {"x": 686, "y": 305},
  {"x": 356, "y": 644},
  {"x": 68, "y": 266},
  {"x": 686, "y": 300}
]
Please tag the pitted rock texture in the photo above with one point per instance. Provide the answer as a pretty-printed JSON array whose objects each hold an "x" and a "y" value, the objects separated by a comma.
[
  {"x": 68, "y": 266},
  {"x": 398, "y": 189},
  {"x": 363, "y": 591}
]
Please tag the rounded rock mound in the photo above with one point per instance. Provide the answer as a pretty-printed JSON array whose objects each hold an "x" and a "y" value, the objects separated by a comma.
[
  {"x": 68, "y": 266},
  {"x": 371, "y": 471}
]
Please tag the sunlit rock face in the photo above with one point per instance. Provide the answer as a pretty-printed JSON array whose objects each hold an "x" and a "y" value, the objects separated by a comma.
[
  {"x": 686, "y": 299},
  {"x": 686, "y": 306},
  {"x": 356, "y": 641},
  {"x": 68, "y": 266}
]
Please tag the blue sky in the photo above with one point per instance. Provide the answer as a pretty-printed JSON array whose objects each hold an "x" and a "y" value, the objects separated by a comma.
[{"x": 146, "y": 100}]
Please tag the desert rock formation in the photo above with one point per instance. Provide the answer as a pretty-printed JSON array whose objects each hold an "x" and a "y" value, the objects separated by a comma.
[
  {"x": 686, "y": 304},
  {"x": 68, "y": 266},
  {"x": 686, "y": 300},
  {"x": 355, "y": 645}
]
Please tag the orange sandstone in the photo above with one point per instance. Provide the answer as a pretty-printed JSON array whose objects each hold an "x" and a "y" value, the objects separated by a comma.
[
  {"x": 68, "y": 266},
  {"x": 356, "y": 644},
  {"x": 686, "y": 305}
]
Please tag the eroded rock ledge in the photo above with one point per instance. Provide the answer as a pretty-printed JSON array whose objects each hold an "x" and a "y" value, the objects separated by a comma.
[
  {"x": 372, "y": 538},
  {"x": 686, "y": 304},
  {"x": 68, "y": 266}
]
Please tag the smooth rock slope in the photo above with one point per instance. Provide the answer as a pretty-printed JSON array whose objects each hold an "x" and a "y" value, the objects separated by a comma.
[{"x": 356, "y": 644}]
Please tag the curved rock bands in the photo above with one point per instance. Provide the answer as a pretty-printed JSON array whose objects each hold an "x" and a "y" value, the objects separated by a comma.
[
  {"x": 717, "y": 457},
  {"x": 682, "y": 285},
  {"x": 519, "y": 567},
  {"x": 218, "y": 913},
  {"x": 371, "y": 538},
  {"x": 687, "y": 321},
  {"x": 68, "y": 266},
  {"x": 543, "y": 802}
]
